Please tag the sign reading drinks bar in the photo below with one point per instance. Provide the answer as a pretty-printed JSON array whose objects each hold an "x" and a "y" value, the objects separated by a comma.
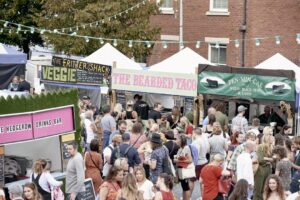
[
  {"x": 69, "y": 75},
  {"x": 246, "y": 85},
  {"x": 155, "y": 82},
  {"x": 33, "y": 125}
]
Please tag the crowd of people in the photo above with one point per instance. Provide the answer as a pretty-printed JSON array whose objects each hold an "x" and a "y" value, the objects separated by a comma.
[
  {"x": 138, "y": 153},
  {"x": 19, "y": 83}
]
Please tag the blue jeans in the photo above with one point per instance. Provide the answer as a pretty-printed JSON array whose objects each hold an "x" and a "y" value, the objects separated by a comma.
[
  {"x": 105, "y": 139},
  {"x": 295, "y": 184},
  {"x": 79, "y": 196}
]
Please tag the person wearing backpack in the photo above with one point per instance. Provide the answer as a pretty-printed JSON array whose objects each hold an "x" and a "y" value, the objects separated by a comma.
[
  {"x": 125, "y": 150},
  {"x": 186, "y": 167}
]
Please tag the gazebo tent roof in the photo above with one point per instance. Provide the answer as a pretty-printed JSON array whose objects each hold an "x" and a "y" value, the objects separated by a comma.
[
  {"x": 279, "y": 62},
  {"x": 107, "y": 54},
  {"x": 185, "y": 61},
  {"x": 10, "y": 55}
]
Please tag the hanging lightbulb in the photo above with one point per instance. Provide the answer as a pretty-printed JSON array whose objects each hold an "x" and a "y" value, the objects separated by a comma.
[
  {"x": 42, "y": 31},
  {"x": 101, "y": 41},
  {"x": 19, "y": 28},
  {"x": 217, "y": 45},
  {"x": 148, "y": 44},
  {"x": 257, "y": 41},
  {"x": 5, "y": 24},
  {"x": 73, "y": 34},
  {"x": 115, "y": 43},
  {"x": 298, "y": 38},
  {"x": 86, "y": 39},
  {"x": 115, "y": 16},
  {"x": 63, "y": 30},
  {"x": 130, "y": 44},
  {"x": 97, "y": 23},
  {"x": 198, "y": 43},
  {"x": 32, "y": 30},
  {"x": 55, "y": 31},
  {"x": 10, "y": 31},
  {"x": 236, "y": 43},
  {"x": 55, "y": 15},
  {"x": 1, "y": 30},
  {"x": 70, "y": 29},
  {"x": 277, "y": 39},
  {"x": 91, "y": 25},
  {"x": 165, "y": 45},
  {"x": 181, "y": 45},
  {"x": 77, "y": 28}
]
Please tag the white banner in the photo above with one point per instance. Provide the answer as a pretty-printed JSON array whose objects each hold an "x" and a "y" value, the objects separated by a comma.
[{"x": 155, "y": 82}]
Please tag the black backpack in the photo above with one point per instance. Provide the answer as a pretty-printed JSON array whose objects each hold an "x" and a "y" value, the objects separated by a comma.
[{"x": 119, "y": 154}]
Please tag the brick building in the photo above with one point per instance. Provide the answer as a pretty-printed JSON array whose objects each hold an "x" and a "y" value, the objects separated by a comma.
[{"x": 219, "y": 23}]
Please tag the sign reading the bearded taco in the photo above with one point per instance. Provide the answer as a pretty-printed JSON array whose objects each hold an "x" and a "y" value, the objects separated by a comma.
[
  {"x": 155, "y": 82},
  {"x": 69, "y": 75},
  {"x": 246, "y": 85}
]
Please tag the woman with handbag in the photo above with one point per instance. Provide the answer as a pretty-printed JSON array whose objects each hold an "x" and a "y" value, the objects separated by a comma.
[
  {"x": 186, "y": 167},
  {"x": 210, "y": 176},
  {"x": 93, "y": 164}
]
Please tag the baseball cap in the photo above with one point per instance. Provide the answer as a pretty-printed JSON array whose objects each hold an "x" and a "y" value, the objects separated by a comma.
[
  {"x": 86, "y": 98},
  {"x": 241, "y": 108}
]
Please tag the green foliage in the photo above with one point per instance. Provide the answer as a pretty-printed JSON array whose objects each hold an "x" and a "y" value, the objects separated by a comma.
[
  {"x": 135, "y": 25},
  {"x": 43, "y": 101},
  {"x": 24, "y": 12}
]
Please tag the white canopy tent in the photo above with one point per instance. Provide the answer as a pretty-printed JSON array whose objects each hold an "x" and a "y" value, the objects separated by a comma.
[
  {"x": 10, "y": 55},
  {"x": 185, "y": 61},
  {"x": 280, "y": 62},
  {"x": 107, "y": 54}
]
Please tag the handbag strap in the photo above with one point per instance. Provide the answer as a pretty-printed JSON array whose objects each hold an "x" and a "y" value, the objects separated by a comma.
[
  {"x": 137, "y": 140},
  {"x": 94, "y": 161}
]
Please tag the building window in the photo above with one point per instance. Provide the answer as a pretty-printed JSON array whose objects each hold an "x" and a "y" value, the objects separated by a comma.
[
  {"x": 166, "y": 6},
  {"x": 217, "y": 53},
  {"x": 219, "y": 5}
]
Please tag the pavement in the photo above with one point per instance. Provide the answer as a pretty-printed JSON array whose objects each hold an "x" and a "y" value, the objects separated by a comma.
[{"x": 177, "y": 191}]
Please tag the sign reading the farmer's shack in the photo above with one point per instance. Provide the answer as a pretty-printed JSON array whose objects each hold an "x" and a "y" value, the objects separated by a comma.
[{"x": 246, "y": 85}]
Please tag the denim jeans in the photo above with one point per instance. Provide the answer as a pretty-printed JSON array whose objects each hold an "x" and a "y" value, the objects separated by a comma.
[
  {"x": 105, "y": 139},
  {"x": 79, "y": 196},
  {"x": 295, "y": 184}
]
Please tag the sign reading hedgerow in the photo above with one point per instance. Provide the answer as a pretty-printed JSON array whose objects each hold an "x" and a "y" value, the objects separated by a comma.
[{"x": 246, "y": 85}]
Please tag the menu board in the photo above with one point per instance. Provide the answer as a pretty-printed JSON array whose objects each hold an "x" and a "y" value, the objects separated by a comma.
[
  {"x": 121, "y": 98},
  {"x": 89, "y": 193},
  {"x": 89, "y": 77},
  {"x": 188, "y": 105}
]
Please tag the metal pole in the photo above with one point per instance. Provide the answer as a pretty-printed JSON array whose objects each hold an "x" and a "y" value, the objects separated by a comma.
[{"x": 180, "y": 25}]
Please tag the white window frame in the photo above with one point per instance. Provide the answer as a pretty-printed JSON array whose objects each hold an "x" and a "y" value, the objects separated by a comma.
[
  {"x": 212, "y": 9},
  {"x": 221, "y": 45},
  {"x": 166, "y": 10}
]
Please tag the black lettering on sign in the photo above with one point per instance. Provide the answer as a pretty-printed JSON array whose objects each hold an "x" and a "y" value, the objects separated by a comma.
[
  {"x": 58, "y": 74},
  {"x": 81, "y": 65}
]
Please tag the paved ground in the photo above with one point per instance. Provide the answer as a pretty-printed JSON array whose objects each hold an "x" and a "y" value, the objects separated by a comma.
[{"x": 196, "y": 193}]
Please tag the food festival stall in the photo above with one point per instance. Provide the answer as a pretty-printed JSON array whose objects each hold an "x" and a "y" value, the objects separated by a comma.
[{"x": 248, "y": 86}]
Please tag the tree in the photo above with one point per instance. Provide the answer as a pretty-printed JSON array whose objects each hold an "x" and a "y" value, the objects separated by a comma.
[
  {"x": 25, "y": 12},
  {"x": 132, "y": 25}
]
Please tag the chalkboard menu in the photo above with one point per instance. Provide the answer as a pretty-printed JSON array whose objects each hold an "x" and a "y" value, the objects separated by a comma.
[
  {"x": 188, "y": 105},
  {"x": 89, "y": 193},
  {"x": 121, "y": 98},
  {"x": 89, "y": 77}
]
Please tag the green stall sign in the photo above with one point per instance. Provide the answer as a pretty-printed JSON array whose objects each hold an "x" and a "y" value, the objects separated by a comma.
[{"x": 246, "y": 85}]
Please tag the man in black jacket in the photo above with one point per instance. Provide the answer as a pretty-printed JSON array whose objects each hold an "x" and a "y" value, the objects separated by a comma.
[{"x": 23, "y": 85}]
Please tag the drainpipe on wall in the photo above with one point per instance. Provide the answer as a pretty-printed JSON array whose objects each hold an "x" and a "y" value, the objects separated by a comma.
[{"x": 243, "y": 29}]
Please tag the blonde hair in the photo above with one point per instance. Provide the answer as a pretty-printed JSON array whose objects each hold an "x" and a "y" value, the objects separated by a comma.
[
  {"x": 129, "y": 125},
  {"x": 140, "y": 169},
  {"x": 129, "y": 188},
  {"x": 268, "y": 130},
  {"x": 265, "y": 144},
  {"x": 185, "y": 120},
  {"x": 218, "y": 158},
  {"x": 119, "y": 163},
  {"x": 118, "y": 108},
  {"x": 154, "y": 128},
  {"x": 88, "y": 115},
  {"x": 39, "y": 166}
]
